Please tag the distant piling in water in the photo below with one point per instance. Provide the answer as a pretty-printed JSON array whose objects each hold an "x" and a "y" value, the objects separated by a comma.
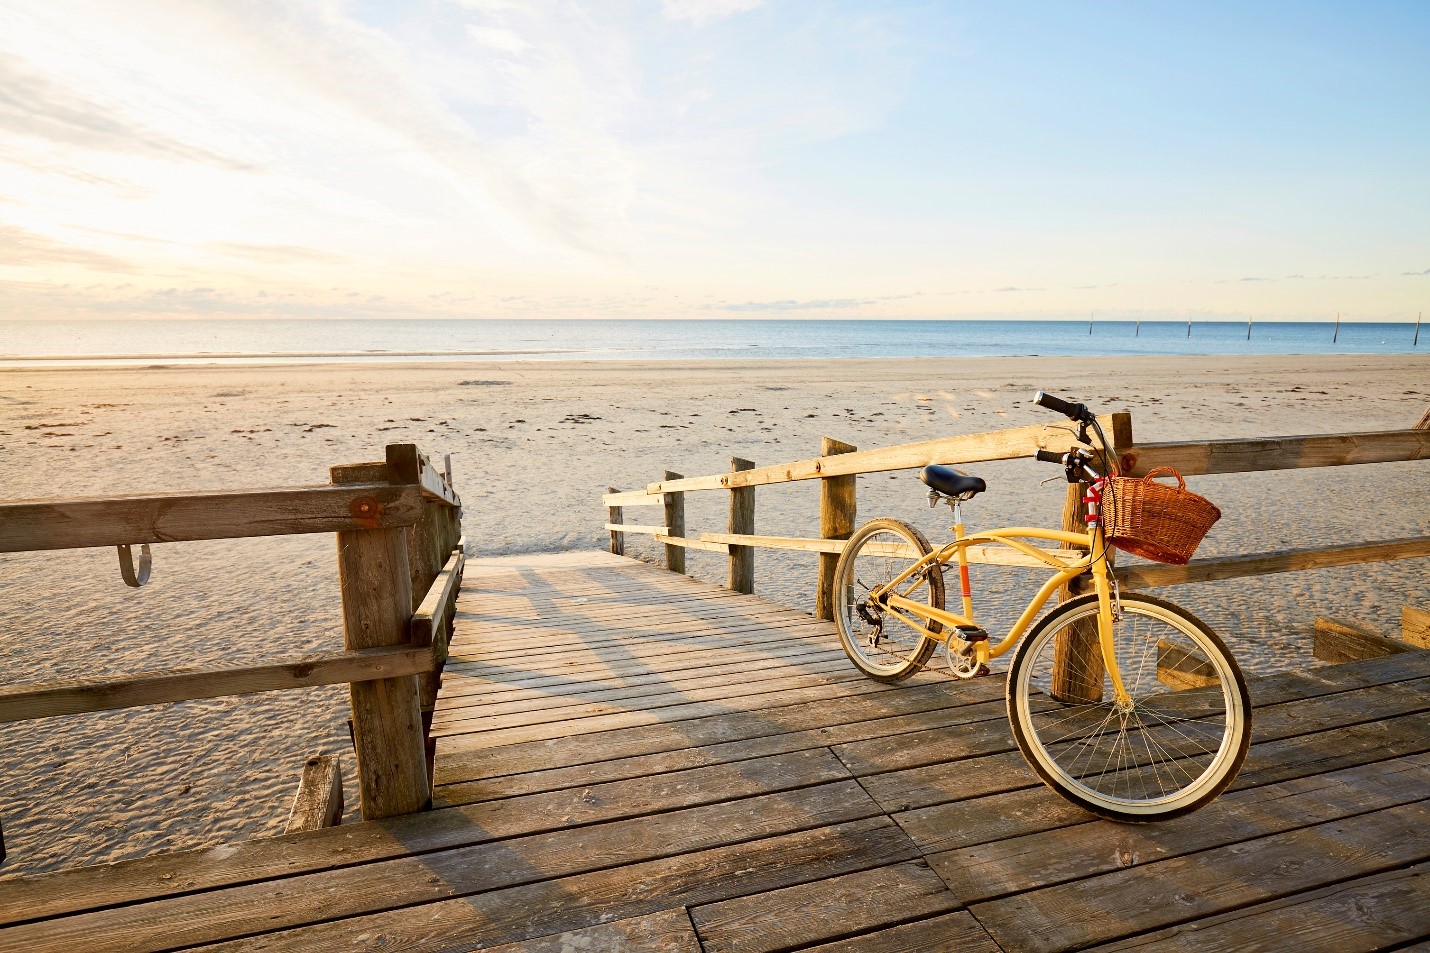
[
  {"x": 1416, "y": 342},
  {"x": 1138, "y": 334},
  {"x": 1189, "y": 327},
  {"x": 1337, "y": 332},
  {"x": 1248, "y": 327},
  {"x": 1089, "y": 323}
]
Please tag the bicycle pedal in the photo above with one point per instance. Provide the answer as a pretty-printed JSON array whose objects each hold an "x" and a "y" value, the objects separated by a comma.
[{"x": 971, "y": 633}]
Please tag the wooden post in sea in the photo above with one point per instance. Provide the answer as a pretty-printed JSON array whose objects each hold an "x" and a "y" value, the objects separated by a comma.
[
  {"x": 1337, "y": 332},
  {"x": 1138, "y": 333},
  {"x": 1077, "y": 660},
  {"x": 615, "y": 516},
  {"x": 1248, "y": 327},
  {"x": 387, "y": 719},
  {"x": 742, "y": 521},
  {"x": 1416, "y": 342},
  {"x": 838, "y": 508},
  {"x": 1089, "y": 323},
  {"x": 1189, "y": 328},
  {"x": 674, "y": 525}
]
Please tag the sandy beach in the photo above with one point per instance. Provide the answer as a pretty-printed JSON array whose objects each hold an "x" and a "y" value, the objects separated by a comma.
[{"x": 533, "y": 445}]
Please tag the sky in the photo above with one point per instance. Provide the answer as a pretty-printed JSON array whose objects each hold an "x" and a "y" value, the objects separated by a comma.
[{"x": 713, "y": 158}]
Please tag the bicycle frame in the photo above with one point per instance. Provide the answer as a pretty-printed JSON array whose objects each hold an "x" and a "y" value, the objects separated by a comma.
[{"x": 1094, "y": 560}]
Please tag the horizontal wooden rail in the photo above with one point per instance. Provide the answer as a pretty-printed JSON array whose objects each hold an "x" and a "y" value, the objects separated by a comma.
[
  {"x": 23, "y": 702},
  {"x": 996, "y": 445},
  {"x": 703, "y": 545},
  {"x": 1278, "y": 453},
  {"x": 639, "y": 529},
  {"x": 428, "y": 625},
  {"x": 227, "y": 514},
  {"x": 1260, "y": 564},
  {"x": 980, "y": 555},
  {"x": 633, "y": 498}
]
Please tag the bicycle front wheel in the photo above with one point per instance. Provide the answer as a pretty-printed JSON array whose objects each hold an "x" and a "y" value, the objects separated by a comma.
[
  {"x": 1173, "y": 748},
  {"x": 882, "y": 646}
]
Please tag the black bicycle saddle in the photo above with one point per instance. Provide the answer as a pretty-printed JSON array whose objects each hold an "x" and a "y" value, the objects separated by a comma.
[{"x": 950, "y": 482}]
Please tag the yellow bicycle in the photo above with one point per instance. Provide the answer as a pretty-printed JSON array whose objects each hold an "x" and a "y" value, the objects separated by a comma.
[{"x": 1123, "y": 703}]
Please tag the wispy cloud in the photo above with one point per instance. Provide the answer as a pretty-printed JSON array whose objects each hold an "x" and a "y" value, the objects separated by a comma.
[
  {"x": 701, "y": 12},
  {"x": 21, "y": 248}
]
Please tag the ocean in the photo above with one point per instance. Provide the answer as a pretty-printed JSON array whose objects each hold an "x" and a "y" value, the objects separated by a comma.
[{"x": 142, "y": 342}]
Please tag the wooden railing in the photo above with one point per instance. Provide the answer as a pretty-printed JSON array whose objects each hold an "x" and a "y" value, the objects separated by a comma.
[
  {"x": 400, "y": 560},
  {"x": 840, "y": 463}
]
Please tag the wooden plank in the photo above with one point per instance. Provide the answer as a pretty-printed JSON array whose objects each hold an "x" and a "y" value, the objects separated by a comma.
[
  {"x": 318, "y": 802},
  {"x": 741, "y": 574},
  {"x": 47, "y": 700},
  {"x": 615, "y": 516},
  {"x": 1181, "y": 889},
  {"x": 823, "y": 910},
  {"x": 968, "y": 448},
  {"x": 1087, "y": 848},
  {"x": 638, "y": 528},
  {"x": 1415, "y": 626},
  {"x": 1182, "y": 668},
  {"x": 1369, "y": 913},
  {"x": 1193, "y": 458},
  {"x": 668, "y": 931},
  {"x": 983, "y": 555},
  {"x": 838, "y": 509},
  {"x": 624, "y": 851},
  {"x": 569, "y": 903},
  {"x": 687, "y": 543},
  {"x": 538, "y": 812},
  {"x": 1260, "y": 564},
  {"x": 950, "y": 932},
  {"x": 1346, "y": 640},
  {"x": 386, "y": 715},
  {"x": 632, "y": 498},
  {"x": 223, "y": 514},
  {"x": 675, "y": 523}
]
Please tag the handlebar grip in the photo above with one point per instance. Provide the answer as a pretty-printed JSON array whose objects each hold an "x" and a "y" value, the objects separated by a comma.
[
  {"x": 1047, "y": 456},
  {"x": 1064, "y": 407}
]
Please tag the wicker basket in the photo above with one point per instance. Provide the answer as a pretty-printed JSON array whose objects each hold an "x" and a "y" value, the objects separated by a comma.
[{"x": 1154, "y": 520}]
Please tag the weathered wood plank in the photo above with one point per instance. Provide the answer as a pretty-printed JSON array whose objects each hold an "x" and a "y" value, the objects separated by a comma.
[
  {"x": 983, "y": 555},
  {"x": 582, "y": 900},
  {"x": 823, "y": 910},
  {"x": 1260, "y": 564},
  {"x": 1368, "y": 913},
  {"x": 675, "y": 521},
  {"x": 1415, "y": 626},
  {"x": 740, "y": 576},
  {"x": 318, "y": 802},
  {"x": 1278, "y": 453},
  {"x": 668, "y": 931},
  {"x": 639, "y": 529},
  {"x": 688, "y": 543},
  {"x": 615, "y": 516},
  {"x": 632, "y": 498},
  {"x": 223, "y": 514},
  {"x": 951, "y": 932},
  {"x": 1346, "y": 640},
  {"x": 967, "y": 448},
  {"x": 838, "y": 510},
  {"x": 1181, "y": 889},
  {"x": 537, "y": 812},
  {"x": 47, "y": 700},
  {"x": 622, "y": 850}
]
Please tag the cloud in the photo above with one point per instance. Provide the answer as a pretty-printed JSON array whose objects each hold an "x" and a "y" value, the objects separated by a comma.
[
  {"x": 819, "y": 304},
  {"x": 701, "y": 12},
  {"x": 32, "y": 104},
  {"x": 276, "y": 254},
  {"x": 21, "y": 247},
  {"x": 1417, "y": 273}
]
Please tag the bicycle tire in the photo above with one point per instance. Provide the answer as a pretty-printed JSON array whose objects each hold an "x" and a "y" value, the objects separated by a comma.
[
  {"x": 1173, "y": 751},
  {"x": 884, "y": 656}
]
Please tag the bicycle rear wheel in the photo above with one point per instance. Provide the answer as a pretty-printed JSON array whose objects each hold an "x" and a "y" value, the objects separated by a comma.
[
  {"x": 883, "y": 647},
  {"x": 1173, "y": 749}
]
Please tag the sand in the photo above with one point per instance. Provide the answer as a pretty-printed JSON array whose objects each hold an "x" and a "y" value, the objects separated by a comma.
[{"x": 533, "y": 445}]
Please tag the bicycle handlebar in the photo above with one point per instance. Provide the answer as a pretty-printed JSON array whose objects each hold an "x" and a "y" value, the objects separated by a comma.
[
  {"x": 1047, "y": 456},
  {"x": 1067, "y": 408}
]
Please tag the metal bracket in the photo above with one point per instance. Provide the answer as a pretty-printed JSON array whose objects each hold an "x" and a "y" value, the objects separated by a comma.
[{"x": 126, "y": 565}]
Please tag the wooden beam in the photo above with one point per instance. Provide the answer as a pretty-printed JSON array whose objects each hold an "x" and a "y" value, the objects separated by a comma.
[
  {"x": 741, "y": 576},
  {"x": 615, "y": 516},
  {"x": 1278, "y": 453},
  {"x": 688, "y": 543},
  {"x": 75, "y": 696},
  {"x": 638, "y": 529},
  {"x": 675, "y": 526},
  {"x": 225, "y": 514},
  {"x": 387, "y": 719},
  {"x": 319, "y": 800},
  {"x": 969, "y": 448},
  {"x": 1415, "y": 626},
  {"x": 1260, "y": 564},
  {"x": 632, "y": 498},
  {"x": 1346, "y": 640},
  {"x": 1179, "y": 668},
  {"x": 985, "y": 555},
  {"x": 838, "y": 509}
]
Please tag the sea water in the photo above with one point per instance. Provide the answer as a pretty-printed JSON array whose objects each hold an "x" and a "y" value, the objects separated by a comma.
[{"x": 41, "y": 343}]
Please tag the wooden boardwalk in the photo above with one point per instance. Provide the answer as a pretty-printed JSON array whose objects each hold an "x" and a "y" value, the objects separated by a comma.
[{"x": 632, "y": 760}]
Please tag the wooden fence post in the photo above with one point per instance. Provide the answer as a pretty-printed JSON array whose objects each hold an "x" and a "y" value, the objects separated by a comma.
[
  {"x": 387, "y": 722},
  {"x": 742, "y": 520},
  {"x": 615, "y": 515},
  {"x": 838, "y": 510},
  {"x": 1077, "y": 661},
  {"x": 674, "y": 525}
]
